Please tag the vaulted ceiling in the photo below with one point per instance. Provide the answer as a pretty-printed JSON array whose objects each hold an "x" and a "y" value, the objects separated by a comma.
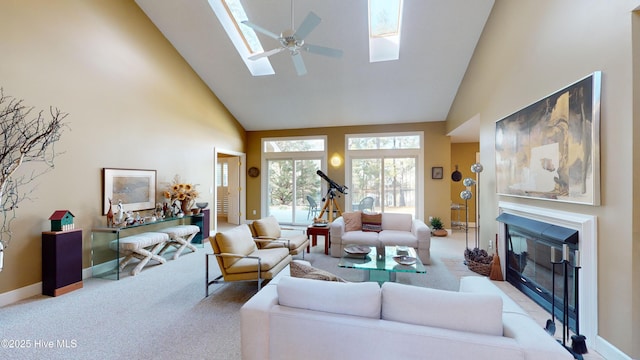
[{"x": 437, "y": 41}]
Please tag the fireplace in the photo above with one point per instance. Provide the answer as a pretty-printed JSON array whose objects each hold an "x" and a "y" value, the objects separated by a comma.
[
  {"x": 531, "y": 247},
  {"x": 584, "y": 226}
]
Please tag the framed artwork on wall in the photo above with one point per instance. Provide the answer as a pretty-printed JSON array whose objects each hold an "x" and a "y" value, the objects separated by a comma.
[
  {"x": 551, "y": 149},
  {"x": 437, "y": 172},
  {"x": 135, "y": 188}
]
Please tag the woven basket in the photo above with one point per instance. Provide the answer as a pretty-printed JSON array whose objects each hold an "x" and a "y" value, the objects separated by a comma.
[{"x": 478, "y": 267}]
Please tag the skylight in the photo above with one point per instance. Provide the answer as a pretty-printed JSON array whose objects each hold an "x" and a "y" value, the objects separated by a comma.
[
  {"x": 236, "y": 11},
  {"x": 230, "y": 13},
  {"x": 385, "y": 23}
]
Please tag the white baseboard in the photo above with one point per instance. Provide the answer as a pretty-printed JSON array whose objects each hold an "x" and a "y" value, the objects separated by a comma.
[
  {"x": 22, "y": 293},
  {"x": 28, "y": 291},
  {"x": 608, "y": 351}
]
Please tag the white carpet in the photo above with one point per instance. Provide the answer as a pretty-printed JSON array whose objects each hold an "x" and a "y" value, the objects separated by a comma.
[{"x": 162, "y": 313}]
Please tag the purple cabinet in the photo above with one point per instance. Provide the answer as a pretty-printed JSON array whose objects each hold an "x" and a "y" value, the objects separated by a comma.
[{"x": 61, "y": 261}]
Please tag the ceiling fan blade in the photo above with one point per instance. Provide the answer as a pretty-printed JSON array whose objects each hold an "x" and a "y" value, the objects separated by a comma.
[
  {"x": 298, "y": 63},
  {"x": 308, "y": 24},
  {"x": 260, "y": 29},
  {"x": 265, "y": 53},
  {"x": 321, "y": 50}
]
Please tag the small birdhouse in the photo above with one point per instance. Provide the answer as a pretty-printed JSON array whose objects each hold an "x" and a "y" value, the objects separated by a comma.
[{"x": 61, "y": 220}]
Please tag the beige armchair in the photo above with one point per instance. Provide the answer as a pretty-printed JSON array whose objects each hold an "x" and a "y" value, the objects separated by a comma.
[
  {"x": 268, "y": 234},
  {"x": 240, "y": 259}
]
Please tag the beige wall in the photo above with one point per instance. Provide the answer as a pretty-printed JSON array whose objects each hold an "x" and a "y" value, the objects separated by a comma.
[
  {"x": 530, "y": 49},
  {"x": 132, "y": 101},
  {"x": 436, "y": 153}
]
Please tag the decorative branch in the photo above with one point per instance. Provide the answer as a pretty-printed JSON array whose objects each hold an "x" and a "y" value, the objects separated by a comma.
[{"x": 24, "y": 140}]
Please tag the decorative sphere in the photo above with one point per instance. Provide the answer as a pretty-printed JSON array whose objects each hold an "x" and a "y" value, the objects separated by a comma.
[
  {"x": 477, "y": 168},
  {"x": 465, "y": 195},
  {"x": 468, "y": 182}
]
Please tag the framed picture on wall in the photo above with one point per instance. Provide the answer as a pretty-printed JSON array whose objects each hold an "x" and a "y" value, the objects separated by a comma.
[
  {"x": 551, "y": 149},
  {"x": 135, "y": 188},
  {"x": 437, "y": 172}
]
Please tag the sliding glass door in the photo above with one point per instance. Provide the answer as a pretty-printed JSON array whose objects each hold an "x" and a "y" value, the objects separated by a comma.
[
  {"x": 385, "y": 173},
  {"x": 389, "y": 181},
  {"x": 292, "y": 189}
]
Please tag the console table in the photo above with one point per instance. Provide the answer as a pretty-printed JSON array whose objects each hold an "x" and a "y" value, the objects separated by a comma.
[{"x": 105, "y": 261}]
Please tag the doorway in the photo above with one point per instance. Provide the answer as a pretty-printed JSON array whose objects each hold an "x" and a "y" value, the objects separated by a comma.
[{"x": 229, "y": 195}]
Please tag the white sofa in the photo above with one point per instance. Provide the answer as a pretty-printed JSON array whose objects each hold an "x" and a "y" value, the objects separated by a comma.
[
  {"x": 294, "y": 318},
  {"x": 397, "y": 229}
]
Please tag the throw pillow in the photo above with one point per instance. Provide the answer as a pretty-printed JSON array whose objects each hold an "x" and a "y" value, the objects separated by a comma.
[
  {"x": 371, "y": 222},
  {"x": 352, "y": 221},
  {"x": 309, "y": 272}
]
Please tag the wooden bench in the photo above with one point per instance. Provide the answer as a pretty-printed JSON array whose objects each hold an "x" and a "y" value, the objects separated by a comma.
[
  {"x": 142, "y": 246},
  {"x": 180, "y": 236}
]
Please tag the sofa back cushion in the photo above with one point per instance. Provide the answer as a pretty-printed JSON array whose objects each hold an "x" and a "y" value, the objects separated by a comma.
[
  {"x": 478, "y": 313},
  {"x": 236, "y": 241},
  {"x": 371, "y": 222},
  {"x": 352, "y": 221},
  {"x": 267, "y": 227},
  {"x": 393, "y": 221},
  {"x": 357, "y": 299}
]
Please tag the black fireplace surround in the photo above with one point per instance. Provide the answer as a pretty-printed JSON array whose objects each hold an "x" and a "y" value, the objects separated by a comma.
[{"x": 529, "y": 245}]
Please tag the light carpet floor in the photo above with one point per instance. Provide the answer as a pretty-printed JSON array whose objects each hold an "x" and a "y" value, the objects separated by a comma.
[{"x": 162, "y": 312}]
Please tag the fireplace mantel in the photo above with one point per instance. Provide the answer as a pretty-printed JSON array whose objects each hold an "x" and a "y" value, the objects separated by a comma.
[{"x": 586, "y": 225}]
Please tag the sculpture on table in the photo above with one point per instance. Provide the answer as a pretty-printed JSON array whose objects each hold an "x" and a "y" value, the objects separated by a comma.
[
  {"x": 119, "y": 216},
  {"x": 110, "y": 214}
]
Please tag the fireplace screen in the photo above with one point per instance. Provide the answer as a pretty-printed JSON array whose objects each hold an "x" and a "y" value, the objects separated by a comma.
[{"x": 530, "y": 248}]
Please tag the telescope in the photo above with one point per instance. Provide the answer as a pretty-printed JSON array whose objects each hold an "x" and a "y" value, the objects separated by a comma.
[{"x": 332, "y": 184}]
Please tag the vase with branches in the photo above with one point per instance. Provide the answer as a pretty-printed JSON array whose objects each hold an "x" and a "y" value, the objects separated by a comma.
[{"x": 27, "y": 137}]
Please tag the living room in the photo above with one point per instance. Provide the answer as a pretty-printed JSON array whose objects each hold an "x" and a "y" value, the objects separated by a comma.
[{"x": 135, "y": 103}]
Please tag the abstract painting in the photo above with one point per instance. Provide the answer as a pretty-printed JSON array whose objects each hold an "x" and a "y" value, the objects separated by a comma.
[{"x": 551, "y": 149}]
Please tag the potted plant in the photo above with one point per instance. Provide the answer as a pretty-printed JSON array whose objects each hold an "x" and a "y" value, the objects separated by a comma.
[{"x": 437, "y": 228}]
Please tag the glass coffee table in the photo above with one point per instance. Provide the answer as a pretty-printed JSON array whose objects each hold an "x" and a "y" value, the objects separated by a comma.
[{"x": 384, "y": 269}]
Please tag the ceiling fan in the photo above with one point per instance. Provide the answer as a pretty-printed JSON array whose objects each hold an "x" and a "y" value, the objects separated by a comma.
[{"x": 294, "y": 41}]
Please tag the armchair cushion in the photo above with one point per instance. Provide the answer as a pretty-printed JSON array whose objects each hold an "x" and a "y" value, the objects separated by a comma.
[
  {"x": 267, "y": 227},
  {"x": 269, "y": 258},
  {"x": 301, "y": 270},
  {"x": 235, "y": 241}
]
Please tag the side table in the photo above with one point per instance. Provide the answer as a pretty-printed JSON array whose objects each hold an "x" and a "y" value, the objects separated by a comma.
[{"x": 314, "y": 231}]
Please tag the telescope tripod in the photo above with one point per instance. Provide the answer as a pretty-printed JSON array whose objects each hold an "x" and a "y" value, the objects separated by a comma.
[{"x": 329, "y": 204}]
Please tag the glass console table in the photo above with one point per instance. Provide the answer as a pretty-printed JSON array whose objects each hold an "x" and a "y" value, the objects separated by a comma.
[
  {"x": 384, "y": 269},
  {"x": 105, "y": 260}
]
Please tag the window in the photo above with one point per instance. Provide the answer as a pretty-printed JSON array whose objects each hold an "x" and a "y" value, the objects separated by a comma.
[
  {"x": 230, "y": 13},
  {"x": 291, "y": 185},
  {"x": 385, "y": 23},
  {"x": 236, "y": 13},
  {"x": 387, "y": 168}
]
